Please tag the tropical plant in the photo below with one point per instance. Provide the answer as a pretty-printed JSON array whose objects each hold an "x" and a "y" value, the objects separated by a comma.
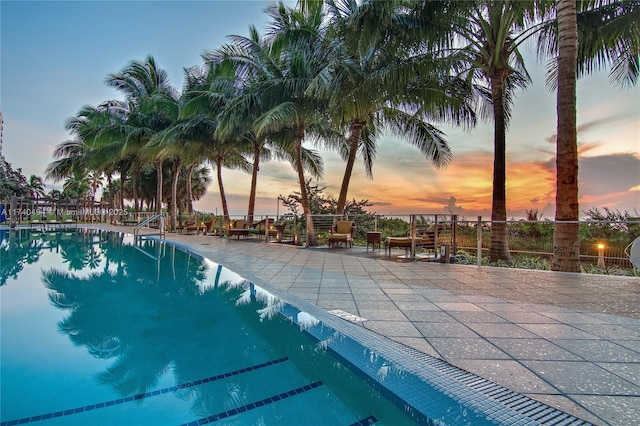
[
  {"x": 12, "y": 182},
  {"x": 36, "y": 186},
  {"x": 377, "y": 85},
  {"x": 588, "y": 36},
  {"x": 153, "y": 107},
  {"x": 297, "y": 54},
  {"x": 207, "y": 93},
  {"x": 566, "y": 247},
  {"x": 490, "y": 37}
]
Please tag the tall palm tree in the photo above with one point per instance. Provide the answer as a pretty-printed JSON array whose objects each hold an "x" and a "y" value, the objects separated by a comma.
[
  {"x": 69, "y": 156},
  {"x": 194, "y": 134},
  {"x": 36, "y": 186},
  {"x": 566, "y": 250},
  {"x": 256, "y": 68},
  {"x": 77, "y": 186},
  {"x": 377, "y": 85},
  {"x": 153, "y": 107},
  {"x": 481, "y": 39},
  {"x": 97, "y": 144},
  {"x": 300, "y": 51},
  {"x": 589, "y": 37},
  {"x": 490, "y": 35}
]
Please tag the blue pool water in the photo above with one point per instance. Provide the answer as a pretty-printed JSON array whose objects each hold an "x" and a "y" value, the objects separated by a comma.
[{"x": 96, "y": 329}]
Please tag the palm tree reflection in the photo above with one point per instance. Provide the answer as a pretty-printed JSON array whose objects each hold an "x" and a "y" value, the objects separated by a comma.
[
  {"x": 17, "y": 248},
  {"x": 143, "y": 320}
]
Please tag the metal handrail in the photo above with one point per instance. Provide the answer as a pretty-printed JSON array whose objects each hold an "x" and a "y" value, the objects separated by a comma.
[{"x": 156, "y": 217}]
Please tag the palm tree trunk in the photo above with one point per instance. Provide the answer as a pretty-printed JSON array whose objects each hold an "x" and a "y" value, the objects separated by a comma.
[
  {"x": 566, "y": 247},
  {"x": 254, "y": 181},
  {"x": 123, "y": 177},
  {"x": 134, "y": 187},
  {"x": 223, "y": 197},
  {"x": 189, "y": 188},
  {"x": 158, "y": 164},
  {"x": 354, "y": 143},
  {"x": 304, "y": 194},
  {"x": 499, "y": 248},
  {"x": 174, "y": 193}
]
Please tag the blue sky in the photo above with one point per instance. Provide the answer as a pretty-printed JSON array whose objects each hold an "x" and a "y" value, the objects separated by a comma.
[{"x": 55, "y": 56}]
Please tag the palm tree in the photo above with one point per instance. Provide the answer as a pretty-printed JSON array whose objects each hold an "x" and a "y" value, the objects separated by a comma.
[
  {"x": 95, "y": 182},
  {"x": 225, "y": 154},
  {"x": 481, "y": 39},
  {"x": 598, "y": 33},
  {"x": 490, "y": 35},
  {"x": 566, "y": 250},
  {"x": 243, "y": 103},
  {"x": 97, "y": 144},
  {"x": 373, "y": 88},
  {"x": 153, "y": 106},
  {"x": 36, "y": 187},
  {"x": 77, "y": 186},
  {"x": 70, "y": 156},
  {"x": 299, "y": 52}
]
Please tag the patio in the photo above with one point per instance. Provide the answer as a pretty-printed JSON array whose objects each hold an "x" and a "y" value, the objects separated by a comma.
[{"x": 571, "y": 341}]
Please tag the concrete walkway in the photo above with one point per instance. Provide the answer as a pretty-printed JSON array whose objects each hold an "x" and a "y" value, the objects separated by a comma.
[{"x": 571, "y": 341}]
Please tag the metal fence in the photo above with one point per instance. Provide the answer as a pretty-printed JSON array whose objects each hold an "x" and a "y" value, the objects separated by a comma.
[{"x": 602, "y": 243}]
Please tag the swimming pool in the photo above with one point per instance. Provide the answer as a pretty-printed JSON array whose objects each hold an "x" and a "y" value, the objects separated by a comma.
[{"x": 99, "y": 329}]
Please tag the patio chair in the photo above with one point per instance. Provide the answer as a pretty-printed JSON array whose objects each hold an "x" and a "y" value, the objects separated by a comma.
[
  {"x": 208, "y": 226},
  {"x": 238, "y": 228},
  {"x": 190, "y": 225},
  {"x": 67, "y": 219},
  {"x": 342, "y": 234},
  {"x": 425, "y": 239},
  {"x": 265, "y": 228},
  {"x": 633, "y": 251},
  {"x": 35, "y": 219},
  {"x": 52, "y": 219}
]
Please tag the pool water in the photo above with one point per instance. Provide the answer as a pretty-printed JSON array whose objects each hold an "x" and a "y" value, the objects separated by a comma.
[{"x": 96, "y": 329}]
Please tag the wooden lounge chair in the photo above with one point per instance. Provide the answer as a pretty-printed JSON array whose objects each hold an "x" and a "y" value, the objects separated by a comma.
[
  {"x": 208, "y": 227},
  {"x": 425, "y": 239},
  {"x": 264, "y": 228},
  {"x": 342, "y": 234},
  {"x": 190, "y": 226},
  {"x": 238, "y": 228}
]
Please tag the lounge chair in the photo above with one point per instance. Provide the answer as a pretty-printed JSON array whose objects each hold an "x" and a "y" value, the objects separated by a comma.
[
  {"x": 67, "y": 219},
  {"x": 52, "y": 219},
  {"x": 265, "y": 228},
  {"x": 238, "y": 228},
  {"x": 342, "y": 234},
  {"x": 190, "y": 226},
  {"x": 425, "y": 239},
  {"x": 130, "y": 221},
  {"x": 35, "y": 219},
  {"x": 208, "y": 226}
]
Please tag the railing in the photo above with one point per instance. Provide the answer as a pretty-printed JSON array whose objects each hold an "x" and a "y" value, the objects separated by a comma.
[
  {"x": 601, "y": 242},
  {"x": 145, "y": 223}
]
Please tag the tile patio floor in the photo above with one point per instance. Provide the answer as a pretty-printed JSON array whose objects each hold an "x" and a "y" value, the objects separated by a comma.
[{"x": 571, "y": 341}]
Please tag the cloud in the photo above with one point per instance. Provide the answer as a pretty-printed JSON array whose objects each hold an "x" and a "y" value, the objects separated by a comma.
[
  {"x": 598, "y": 123},
  {"x": 607, "y": 174}
]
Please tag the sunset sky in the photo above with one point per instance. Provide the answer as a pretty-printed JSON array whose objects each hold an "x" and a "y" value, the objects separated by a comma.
[{"x": 56, "y": 55}]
